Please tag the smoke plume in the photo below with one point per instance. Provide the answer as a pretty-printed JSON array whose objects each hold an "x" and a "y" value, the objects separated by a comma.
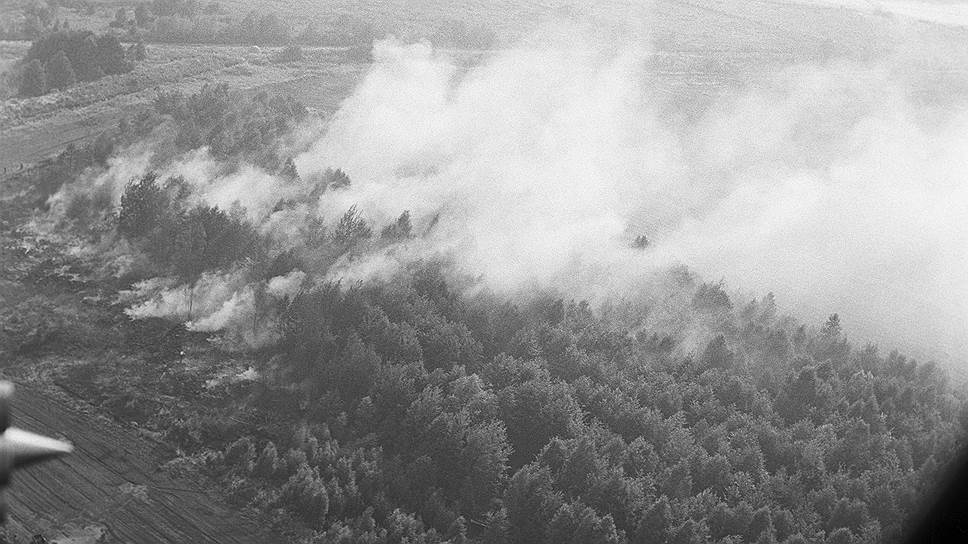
[
  {"x": 829, "y": 184},
  {"x": 585, "y": 165}
]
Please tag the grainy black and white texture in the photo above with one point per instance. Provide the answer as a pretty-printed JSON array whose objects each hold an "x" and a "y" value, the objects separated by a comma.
[{"x": 486, "y": 272}]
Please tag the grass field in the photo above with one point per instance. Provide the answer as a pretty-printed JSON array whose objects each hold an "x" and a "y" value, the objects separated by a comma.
[{"x": 31, "y": 129}]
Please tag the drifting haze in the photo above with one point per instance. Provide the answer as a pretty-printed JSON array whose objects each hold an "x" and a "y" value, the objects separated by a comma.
[
  {"x": 842, "y": 186},
  {"x": 825, "y": 184}
]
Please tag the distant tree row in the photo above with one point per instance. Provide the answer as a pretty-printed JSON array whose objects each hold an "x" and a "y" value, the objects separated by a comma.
[
  {"x": 256, "y": 27},
  {"x": 59, "y": 60},
  {"x": 38, "y": 18},
  {"x": 189, "y": 24},
  {"x": 190, "y": 21},
  {"x": 229, "y": 124}
]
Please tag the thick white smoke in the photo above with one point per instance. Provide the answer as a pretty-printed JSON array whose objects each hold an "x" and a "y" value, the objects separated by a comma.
[
  {"x": 535, "y": 160},
  {"x": 829, "y": 185},
  {"x": 841, "y": 187},
  {"x": 217, "y": 302}
]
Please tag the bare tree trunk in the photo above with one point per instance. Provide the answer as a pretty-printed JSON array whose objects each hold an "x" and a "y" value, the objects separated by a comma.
[{"x": 191, "y": 299}]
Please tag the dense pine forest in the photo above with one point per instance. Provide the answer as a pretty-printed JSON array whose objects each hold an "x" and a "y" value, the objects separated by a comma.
[{"x": 422, "y": 407}]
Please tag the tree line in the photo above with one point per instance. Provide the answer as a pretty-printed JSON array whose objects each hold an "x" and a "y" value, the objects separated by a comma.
[
  {"x": 404, "y": 411},
  {"x": 59, "y": 60}
]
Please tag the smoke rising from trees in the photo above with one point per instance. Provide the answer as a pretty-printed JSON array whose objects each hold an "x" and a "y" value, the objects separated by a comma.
[
  {"x": 835, "y": 185},
  {"x": 828, "y": 183}
]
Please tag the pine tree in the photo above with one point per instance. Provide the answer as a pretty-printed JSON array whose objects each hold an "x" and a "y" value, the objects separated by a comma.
[
  {"x": 654, "y": 522},
  {"x": 60, "y": 73},
  {"x": 110, "y": 56},
  {"x": 34, "y": 81},
  {"x": 137, "y": 51},
  {"x": 143, "y": 205},
  {"x": 141, "y": 15},
  {"x": 289, "y": 171},
  {"x": 351, "y": 228},
  {"x": 268, "y": 465},
  {"x": 576, "y": 523},
  {"x": 121, "y": 18},
  {"x": 399, "y": 230},
  {"x": 831, "y": 328}
]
